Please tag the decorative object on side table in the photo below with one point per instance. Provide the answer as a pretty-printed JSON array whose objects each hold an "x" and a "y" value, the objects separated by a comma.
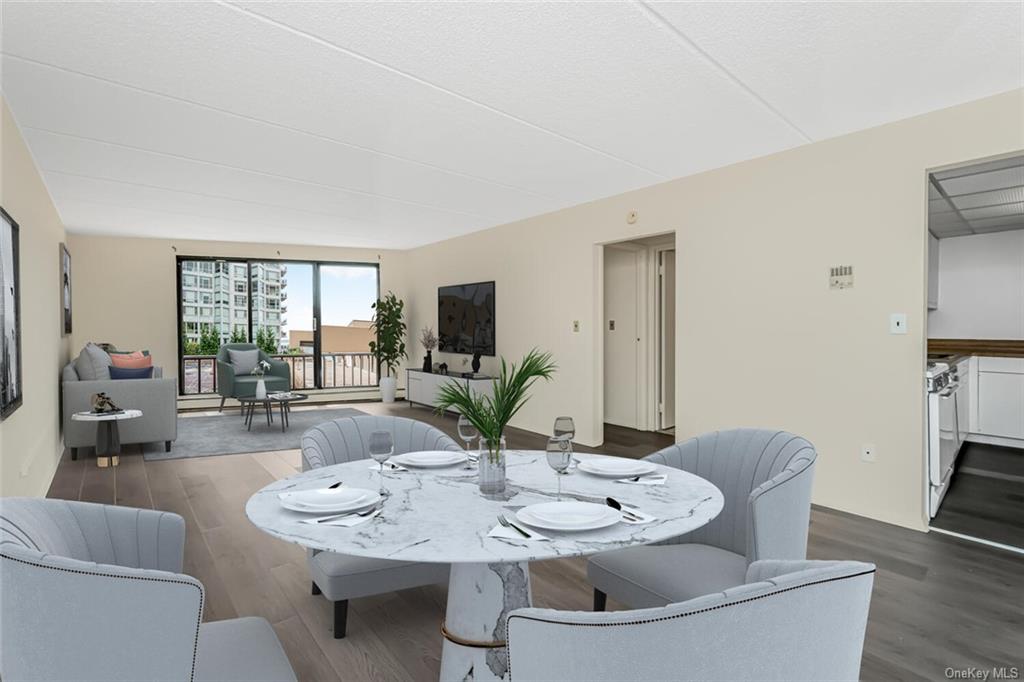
[
  {"x": 476, "y": 363},
  {"x": 102, "y": 404},
  {"x": 442, "y": 368},
  {"x": 261, "y": 368},
  {"x": 490, "y": 415},
  {"x": 429, "y": 341},
  {"x": 10, "y": 317},
  {"x": 389, "y": 346}
]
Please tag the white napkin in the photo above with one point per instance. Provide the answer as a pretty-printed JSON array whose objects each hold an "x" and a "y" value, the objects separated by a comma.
[
  {"x": 645, "y": 480},
  {"x": 346, "y": 521},
  {"x": 643, "y": 516},
  {"x": 501, "y": 531},
  {"x": 388, "y": 466}
]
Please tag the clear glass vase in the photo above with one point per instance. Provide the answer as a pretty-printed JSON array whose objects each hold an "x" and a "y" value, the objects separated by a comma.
[{"x": 491, "y": 466}]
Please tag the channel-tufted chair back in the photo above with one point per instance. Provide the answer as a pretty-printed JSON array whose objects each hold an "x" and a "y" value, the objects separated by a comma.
[
  {"x": 346, "y": 439},
  {"x": 765, "y": 477}
]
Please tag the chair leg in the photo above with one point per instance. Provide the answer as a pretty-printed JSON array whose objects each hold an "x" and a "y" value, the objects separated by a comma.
[
  {"x": 74, "y": 454},
  {"x": 340, "y": 618},
  {"x": 167, "y": 446},
  {"x": 600, "y": 600},
  {"x": 316, "y": 589},
  {"x": 222, "y": 399}
]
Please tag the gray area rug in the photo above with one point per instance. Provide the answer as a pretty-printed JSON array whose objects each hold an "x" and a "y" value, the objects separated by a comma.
[{"x": 225, "y": 434}]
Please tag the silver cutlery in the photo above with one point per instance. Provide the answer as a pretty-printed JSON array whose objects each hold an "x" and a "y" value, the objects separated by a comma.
[
  {"x": 634, "y": 479},
  {"x": 365, "y": 512},
  {"x": 336, "y": 485},
  {"x": 615, "y": 504},
  {"x": 503, "y": 520}
]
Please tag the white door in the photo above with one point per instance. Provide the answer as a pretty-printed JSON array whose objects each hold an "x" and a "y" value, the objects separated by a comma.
[
  {"x": 667, "y": 301},
  {"x": 621, "y": 336}
]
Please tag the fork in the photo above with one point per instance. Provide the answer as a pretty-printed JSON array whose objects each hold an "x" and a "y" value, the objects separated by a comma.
[{"x": 508, "y": 524}]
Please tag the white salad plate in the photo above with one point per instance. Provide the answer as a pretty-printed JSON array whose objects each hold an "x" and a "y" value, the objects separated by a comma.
[
  {"x": 615, "y": 467},
  {"x": 430, "y": 459},
  {"x": 330, "y": 500},
  {"x": 569, "y": 516}
]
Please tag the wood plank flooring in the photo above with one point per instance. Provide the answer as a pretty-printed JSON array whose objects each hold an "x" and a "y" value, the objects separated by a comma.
[{"x": 939, "y": 602}]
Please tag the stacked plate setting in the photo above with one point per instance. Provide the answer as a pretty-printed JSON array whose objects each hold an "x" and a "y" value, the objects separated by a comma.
[
  {"x": 616, "y": 467},
  {"x": 432, "y": 459},
  {"x": 569, "y": 516},
  {"x": 329, "y": 500}
]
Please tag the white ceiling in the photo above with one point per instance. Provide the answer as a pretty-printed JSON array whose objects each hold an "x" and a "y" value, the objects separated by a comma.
[
  {"x": 979, "y": 198},
  {"x": 399, "y": 124}
]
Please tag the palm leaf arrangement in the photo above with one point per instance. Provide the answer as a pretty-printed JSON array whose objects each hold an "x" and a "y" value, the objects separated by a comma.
[{"x": 490, "y": 415}]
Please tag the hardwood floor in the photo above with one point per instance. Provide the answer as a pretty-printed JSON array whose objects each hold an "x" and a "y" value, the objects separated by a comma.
[{"x": 938, "y": 603}]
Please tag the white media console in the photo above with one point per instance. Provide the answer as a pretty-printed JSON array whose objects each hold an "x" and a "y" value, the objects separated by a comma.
[{"x": 421, "y": 388}]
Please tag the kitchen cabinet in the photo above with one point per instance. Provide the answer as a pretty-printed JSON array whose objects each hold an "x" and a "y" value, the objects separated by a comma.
[
  {"x": 933, "y": 272},
  {"x": 963, "y": 405},
  {"x": 1001, "y": 397}
]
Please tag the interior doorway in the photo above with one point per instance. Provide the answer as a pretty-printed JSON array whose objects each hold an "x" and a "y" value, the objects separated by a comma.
[{"x": 639, "y": 333}]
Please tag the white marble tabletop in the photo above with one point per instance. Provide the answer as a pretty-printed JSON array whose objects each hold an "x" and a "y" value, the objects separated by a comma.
[
  {"x": 101, "y": 417},
  {"x": 439, "y": 515}
]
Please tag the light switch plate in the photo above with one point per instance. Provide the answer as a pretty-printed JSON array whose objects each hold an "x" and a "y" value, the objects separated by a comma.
[
  {"x": 575, "y": 325},
  {"x": 898, "y": 323},
  {"x": 868, "y": 453}
]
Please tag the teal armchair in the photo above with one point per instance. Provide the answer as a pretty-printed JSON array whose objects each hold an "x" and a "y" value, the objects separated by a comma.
[{"x": 231, "y": 385}]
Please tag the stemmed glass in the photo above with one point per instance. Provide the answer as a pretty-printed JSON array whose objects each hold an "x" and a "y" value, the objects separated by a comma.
[
  {"x": 468, "y": 433},
  {"x": 565, "y": 428},
  {"x": 381, "y": 447},
  {"x": 559, "y": 456}
]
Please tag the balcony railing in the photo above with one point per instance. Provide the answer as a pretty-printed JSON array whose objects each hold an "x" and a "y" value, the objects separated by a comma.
[{"x": 339, "y": 370}]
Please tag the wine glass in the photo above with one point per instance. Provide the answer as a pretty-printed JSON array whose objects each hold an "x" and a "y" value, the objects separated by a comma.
[
  {"x": 381, "y": 447},
  {"x": 565, "y": 427},
  {"x": 559, "y": 456},
  {"x": 468, "y": 433}
]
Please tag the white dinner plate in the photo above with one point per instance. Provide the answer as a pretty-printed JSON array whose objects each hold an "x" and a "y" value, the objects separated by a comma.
[
  {"x": 430, "y": 459},
  {"x": 328, "y": 500},
  {"x": 616, "y": 467},
  {"x": 569, "y": 516}
]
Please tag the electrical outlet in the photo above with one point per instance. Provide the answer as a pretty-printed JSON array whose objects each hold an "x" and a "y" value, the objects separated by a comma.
[
  {"x": 868, "y": 453},
  {"x": 575, "y": 325},
  {"x": 611, "y": 325}
]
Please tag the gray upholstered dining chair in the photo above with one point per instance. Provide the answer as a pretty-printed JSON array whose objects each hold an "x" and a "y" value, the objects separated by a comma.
[
  {"x": 340, "y": 577},
  {"x": 95, "y": 592},
  {"x": 765, "y": 477},
  {"x": 790, "y": 620}
]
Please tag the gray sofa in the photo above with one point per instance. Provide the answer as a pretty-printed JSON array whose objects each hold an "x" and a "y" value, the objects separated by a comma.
[
  {"x": 156, "y": 397},
  {"x": 96, "y": 592}
]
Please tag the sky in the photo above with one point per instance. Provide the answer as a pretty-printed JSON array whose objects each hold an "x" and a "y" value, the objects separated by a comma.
[{"x": 346, "y": 294}]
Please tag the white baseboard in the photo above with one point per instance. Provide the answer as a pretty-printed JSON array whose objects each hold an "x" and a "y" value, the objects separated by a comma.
[{"x": 996, "y": 440}]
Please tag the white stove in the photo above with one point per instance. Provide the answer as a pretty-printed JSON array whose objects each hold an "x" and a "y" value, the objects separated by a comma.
[{"x": 944, "y": 438}]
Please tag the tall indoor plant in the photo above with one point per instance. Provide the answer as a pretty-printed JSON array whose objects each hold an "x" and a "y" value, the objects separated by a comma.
[
  {"x": 491, "y": 414},
  {"x": 389, "y": 346}
]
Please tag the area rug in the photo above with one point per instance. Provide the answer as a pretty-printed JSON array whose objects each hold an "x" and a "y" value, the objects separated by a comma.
[{"x": 226, "y": 434}]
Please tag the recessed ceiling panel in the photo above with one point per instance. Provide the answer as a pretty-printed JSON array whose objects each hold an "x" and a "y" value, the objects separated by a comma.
[
  {"x": 993, "y": 211},
  {"x": 1002, "y": 196},
  {"x": 983, "y": 182}
]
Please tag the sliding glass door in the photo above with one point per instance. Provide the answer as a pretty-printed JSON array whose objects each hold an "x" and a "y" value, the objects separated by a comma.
[{"x": 312, "y": 315}]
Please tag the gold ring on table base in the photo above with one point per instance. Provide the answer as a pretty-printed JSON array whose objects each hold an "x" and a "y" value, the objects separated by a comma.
[{"x": 469, "y": 642}]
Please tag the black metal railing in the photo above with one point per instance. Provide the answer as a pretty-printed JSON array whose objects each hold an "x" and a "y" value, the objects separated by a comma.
[{"x": 338, "y": 370}]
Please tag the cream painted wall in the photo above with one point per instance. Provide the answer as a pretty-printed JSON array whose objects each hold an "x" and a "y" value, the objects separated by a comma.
[
  {"x": 30, "y": 438},
  {"x": 125, "y": 289},
  {"x": 761, "y": 339}
]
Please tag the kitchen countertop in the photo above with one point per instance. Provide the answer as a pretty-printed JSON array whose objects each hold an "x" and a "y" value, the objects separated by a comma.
[{"x": 956, "y": 348}]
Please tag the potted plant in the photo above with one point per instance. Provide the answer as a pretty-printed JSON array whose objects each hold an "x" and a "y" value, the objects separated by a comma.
[
  {"x": 429, "y": 341},
  {"x": 389, "y": 346},
  {"x": 490, "y": 415}
]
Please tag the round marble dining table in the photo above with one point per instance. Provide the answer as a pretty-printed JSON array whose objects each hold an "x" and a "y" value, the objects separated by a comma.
[{"x": 439, "y": 515}]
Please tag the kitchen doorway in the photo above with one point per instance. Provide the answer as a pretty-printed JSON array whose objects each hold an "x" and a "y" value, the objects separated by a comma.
[{"x": 639, "y": 333}]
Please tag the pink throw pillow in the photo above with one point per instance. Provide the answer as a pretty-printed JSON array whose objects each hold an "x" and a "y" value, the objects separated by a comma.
[{"x": 135, "y": 360}]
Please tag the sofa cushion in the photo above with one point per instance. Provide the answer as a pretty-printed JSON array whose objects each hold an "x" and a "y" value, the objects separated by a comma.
[
  {"x": 134, "y": 360},
  {"x": 131, "y": 372},
  {"x": 93, "y": 363},
  {"x": 127, "y": 352},
  {"x": 243, "y": 361}
]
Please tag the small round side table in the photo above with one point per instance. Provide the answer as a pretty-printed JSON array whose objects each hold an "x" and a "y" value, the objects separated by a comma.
[{"x": 108, "y": 437}]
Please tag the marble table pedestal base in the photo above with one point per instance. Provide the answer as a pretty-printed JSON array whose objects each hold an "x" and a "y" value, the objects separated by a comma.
[{"x": 480, "y": 597}]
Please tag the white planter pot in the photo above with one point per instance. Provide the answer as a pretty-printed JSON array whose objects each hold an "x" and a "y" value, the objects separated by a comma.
[
  {"x": 388, "y": 385},
  {"x": 261, "y": 390}
]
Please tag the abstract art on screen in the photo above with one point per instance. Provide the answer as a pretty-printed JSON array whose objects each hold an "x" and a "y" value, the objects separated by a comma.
[
  {"x": 10, "y": 318},
  {"x": 65, "y": 287}
]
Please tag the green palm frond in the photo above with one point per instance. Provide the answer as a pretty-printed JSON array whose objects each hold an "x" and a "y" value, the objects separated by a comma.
[{"x": 490, "y": 415}]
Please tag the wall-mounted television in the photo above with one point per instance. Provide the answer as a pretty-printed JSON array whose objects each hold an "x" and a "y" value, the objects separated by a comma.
[{"x": 465, "y": 318}]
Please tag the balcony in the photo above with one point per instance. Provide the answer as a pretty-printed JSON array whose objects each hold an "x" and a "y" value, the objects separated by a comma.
[{"x": 340, "y": 370}]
